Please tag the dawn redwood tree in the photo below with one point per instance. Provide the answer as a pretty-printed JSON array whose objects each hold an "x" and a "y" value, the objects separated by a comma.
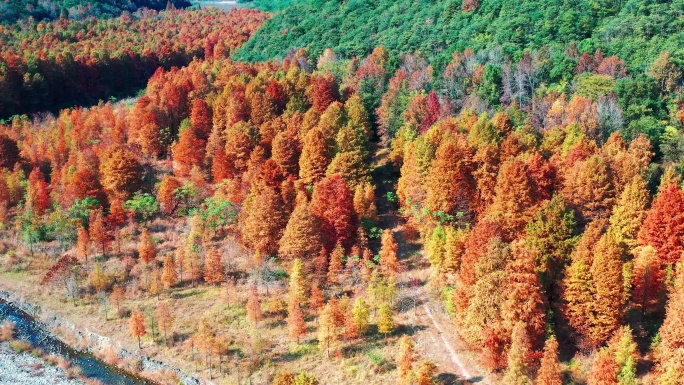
[
  {"x": 201, "y": 118},
  {"x": 187, "y": 152},
  {"x": 254, "y": 312},
  {"x": 604, "y": 370},
  {"x": 99, "y": 233},
  {"x": 647, "y": 280},
  {"x": 137, "y": 325},
  {"x": 549, "y": 372},
  {"x": 117, "y": 296},
  {"x": 121, "y": 172},
  {"x": 389, "y": 263},
  {"x": 524, "y": 301},
  {"x": 164, "y": 318},
  {"x": 449, "y": 185},
  {"x": 82, "y": 244},
  {"x": 297, "y": 285},
  {"x": 296, "y": 322},
  {"x": 335, "y": 265},
  {"x": 425, "y": 373},
  {"x": 38, "y": 193},
  {"x": 214, "y": 272},
  {"x": 327, "y": 329},
  {"x": 169, "y": 275},
  {"x": 302, "y": 237},
  {"x": 607, "y": 306},
  {"x": 264, "y": 220},
  {"x": 146, "y": 249},
  {"x": 589, "y": 189},
  {"x": 405, "y": 359},
  {"x": 671, "y": 331},
  {"x": 386, "y": 323},
  {"x": 664, "y": 225},
  {"x": 315, "y": 157},
  {"x": 551, "y": 237},
  {"x": 630, "y": 212},
  {"x": 519, "y": 364},
  {"x": 332, "y": 203},
  {"x": 167, "y": 194},
  {"x": 285, "y": 151},
  {"x": 513, "y": 197},
  {"x": 322, "y": 92},
  {"x": 361, "y": 314}
]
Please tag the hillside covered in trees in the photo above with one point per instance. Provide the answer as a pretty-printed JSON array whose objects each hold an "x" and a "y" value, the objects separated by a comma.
[
  {"x": 294, "y": 218},
  {"x": 45, "y": 66},
  {"x": 635, "y": 30},
  {"x": 16, "y": 10}
]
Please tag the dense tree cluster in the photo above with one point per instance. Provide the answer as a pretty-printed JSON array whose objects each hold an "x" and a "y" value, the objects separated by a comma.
[
  {"x": 18, "y": 10},
  {"x": 544, "y": 187},
  {"x": 49, "y": 65}
]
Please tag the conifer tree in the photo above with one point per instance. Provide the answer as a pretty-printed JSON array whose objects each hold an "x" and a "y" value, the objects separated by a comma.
[
  {"x": 671, "y": 332},
  {"x": 630, "y": 212},
  {"x": 164, "y": 318},
  {"x": 449, "y": 184},
  {"x": 264, "y": 220},
  {"x": 524, "y": 302},
  {"x": 664, "y": 225},
  {"x": 98, "y": 231},
  {"x": 285, "y": 150},
  {"x": 254, "y": 312},
  {"x": 405, "y": 359},
  {"x": 169, "y": 275},
  {"x": 116, "y": 296},
  {"x": 297, "y": 292},
  {"x": 166, "y": 194},
  {"x": 513, "y": 196},
  {"x": 83, "y": 244},
  {"x": 335, "y": 265},
  {"x": 604, "y": 370},
  {"x": 386, "y": 321},
  {"x": 588, "y": 188},
  {"x": 214, "y": 271},
  {"x": 550, "y": 235},
  {"x": 137, "y": 325},
  {"x": 550, "y": 371},
  {"x": 361, "y": 314},
  {"x": 518, "y": 368},
  {"x": 121, "y": 172},
  {"x": 425, "y": 373},
  {"x": 647, "y": 280},
  {"x": 327, "y": 329},
  {"x": 315, "y": 158},
  {"x": 296, "y": 321},
  {"x": 606, "y": 271},
  {"x": 332, "y": 203},
  {"x": 146, "y": 249},
  {"x": 301, "y": 238},
  {"x": 389, "y": 263}
]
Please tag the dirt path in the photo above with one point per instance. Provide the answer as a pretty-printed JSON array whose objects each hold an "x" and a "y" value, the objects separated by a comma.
[{"x": 425, "y": 317}]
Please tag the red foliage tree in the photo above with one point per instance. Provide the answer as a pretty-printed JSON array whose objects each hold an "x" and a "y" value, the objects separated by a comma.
[
  {"x": 332, "y": 203},
  {"x": 664, "y": 225}
]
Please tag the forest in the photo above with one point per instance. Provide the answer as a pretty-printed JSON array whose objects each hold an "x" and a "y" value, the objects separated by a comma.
[
  {"x": 39, "y": 63},
  {"x": 12, "y": 11},
  {"x": 293, "y": 218}
]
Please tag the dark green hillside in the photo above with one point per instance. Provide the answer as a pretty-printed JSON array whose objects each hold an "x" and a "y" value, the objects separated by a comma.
[
  {"x": 13, "y": 10},
  {"x": 635, "y": 30}
]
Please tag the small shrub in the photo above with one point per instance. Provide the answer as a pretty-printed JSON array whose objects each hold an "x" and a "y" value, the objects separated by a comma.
[{"x": 7, "y": 331}]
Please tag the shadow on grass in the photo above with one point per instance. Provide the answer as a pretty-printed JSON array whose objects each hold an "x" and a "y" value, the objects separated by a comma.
[
  {"x": 448, "y": 379},
  {"x": 186, "y": 294}
]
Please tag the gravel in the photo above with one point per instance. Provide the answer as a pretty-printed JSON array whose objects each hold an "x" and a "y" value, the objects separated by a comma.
[{"x": 25, "y": 369}]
